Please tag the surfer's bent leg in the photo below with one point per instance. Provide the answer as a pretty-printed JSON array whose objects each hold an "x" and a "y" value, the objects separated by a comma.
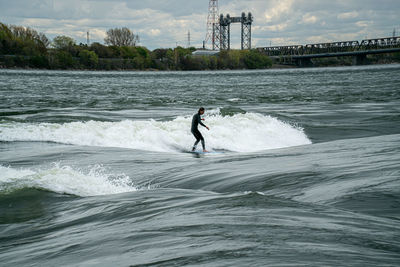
[
  {"x": 202, "y": 142},
  {"x": 199, "y": 138}
]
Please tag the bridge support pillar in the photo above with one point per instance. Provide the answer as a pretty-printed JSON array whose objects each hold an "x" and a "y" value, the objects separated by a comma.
[
  {"x": 360, "y": 60},
  {"x": 304, "y": 62}
]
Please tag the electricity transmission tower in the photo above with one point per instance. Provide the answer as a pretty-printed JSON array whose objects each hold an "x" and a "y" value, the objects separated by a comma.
[{"x": 212, "y": 22}]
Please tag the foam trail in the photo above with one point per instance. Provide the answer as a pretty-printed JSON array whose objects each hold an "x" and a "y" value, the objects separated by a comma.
[
  {"x": 65, "y": 180},
  {"x": 247, "y": 132},
  {"x": 252, "y": 132}
]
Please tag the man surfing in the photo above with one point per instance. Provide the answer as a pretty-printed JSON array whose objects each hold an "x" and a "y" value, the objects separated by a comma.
[{"x": 195, "y": 131}]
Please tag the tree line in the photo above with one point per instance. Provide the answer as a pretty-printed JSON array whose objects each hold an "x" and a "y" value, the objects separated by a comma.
[{"x": 24, "y": 47}]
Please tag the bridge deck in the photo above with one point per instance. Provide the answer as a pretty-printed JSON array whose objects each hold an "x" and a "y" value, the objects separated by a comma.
[{"x": 342, "y": 54}]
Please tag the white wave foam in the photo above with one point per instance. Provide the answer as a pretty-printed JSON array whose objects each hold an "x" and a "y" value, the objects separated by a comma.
[
  {"x": 65, "y": 180},
  {"x": 241, "y": 133}
]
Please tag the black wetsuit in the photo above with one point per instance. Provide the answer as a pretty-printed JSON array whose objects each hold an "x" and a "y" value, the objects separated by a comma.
[{"x": 195, "y": 131}]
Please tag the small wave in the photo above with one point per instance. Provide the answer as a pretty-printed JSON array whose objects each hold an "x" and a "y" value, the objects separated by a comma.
[
  {"x": 65, "y": 180},
  {"x": 334, "y": 190},
  {"x": 229, "y": 111},
  {"x": 242, "y": 132}
]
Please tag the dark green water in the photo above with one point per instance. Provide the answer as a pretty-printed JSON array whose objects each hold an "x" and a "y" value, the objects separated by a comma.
[{"x": 94, "y": 169}]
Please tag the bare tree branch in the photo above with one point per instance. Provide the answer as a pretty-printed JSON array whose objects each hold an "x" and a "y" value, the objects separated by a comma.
[{"x": 121, "y": 37}]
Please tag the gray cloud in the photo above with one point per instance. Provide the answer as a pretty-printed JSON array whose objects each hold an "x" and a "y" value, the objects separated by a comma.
[{"x": 165, "y": 23}]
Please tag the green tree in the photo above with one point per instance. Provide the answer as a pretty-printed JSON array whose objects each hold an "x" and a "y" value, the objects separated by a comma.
[
  {"x": 6, "y": 37},
  {"x": 396, "y": 56},
  {"x": 256, "y": 60},
  {"x": 18, "y": 40},
  {"x": 101, "y": 50},
  {"x": 39, "y": 62},
  {"x": 63, "y": 42},
  {"x": 234, "y": 59},
  {"x": 60, "y": 59},
  {"x": 88, "y": 58},
  {"x": 31, "y": 40},
  {"x": 213, "y": 63},
  {"x": 170, "y": 59},
  {"x": 223, "y": 58}
]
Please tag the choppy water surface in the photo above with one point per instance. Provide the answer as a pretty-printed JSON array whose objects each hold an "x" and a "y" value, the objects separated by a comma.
[{"x": 94, "y": 169}]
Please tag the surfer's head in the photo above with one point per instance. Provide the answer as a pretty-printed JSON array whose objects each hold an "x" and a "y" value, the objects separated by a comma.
[{"x": 201, "y": 111}]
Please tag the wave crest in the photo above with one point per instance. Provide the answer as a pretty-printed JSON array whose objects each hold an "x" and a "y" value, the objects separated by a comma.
[
  {"x": 65, "y": 180},
  {"x": 248, "y": 132}
]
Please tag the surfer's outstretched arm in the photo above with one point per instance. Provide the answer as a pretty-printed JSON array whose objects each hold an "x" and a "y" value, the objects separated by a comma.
[
  {"x": 205, "y": 126},
  {"x": 202, "y": 124}
]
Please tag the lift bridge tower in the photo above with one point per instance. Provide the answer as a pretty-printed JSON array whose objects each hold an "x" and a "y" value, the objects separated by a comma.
[
  {"x": 219, "y": 28},
  {"x": 223, "y": 29}
]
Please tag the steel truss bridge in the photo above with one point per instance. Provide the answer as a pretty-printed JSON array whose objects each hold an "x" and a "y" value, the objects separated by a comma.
[{"x": 301, "y": 55}]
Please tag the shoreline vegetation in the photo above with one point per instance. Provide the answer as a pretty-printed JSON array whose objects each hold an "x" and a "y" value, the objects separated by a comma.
[
  {"x": 22, "y": 47},
  {"x": 25, "y": 48}
]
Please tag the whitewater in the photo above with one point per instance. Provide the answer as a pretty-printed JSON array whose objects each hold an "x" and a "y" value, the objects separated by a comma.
[{"x": 248, "y": 132}]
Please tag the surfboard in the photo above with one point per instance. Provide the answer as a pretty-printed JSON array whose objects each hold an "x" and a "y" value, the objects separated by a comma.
[{"x": 208, "y": 152}]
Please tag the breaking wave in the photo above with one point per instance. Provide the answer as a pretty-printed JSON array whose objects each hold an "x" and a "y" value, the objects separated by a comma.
[
  {"x": 248, "y": 132},
  {"x": 65, "y": 180}
]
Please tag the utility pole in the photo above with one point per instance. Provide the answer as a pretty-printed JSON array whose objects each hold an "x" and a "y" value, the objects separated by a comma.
[
  {"x": 87, "y": 38},
  {"x": 188, "y": 36}
]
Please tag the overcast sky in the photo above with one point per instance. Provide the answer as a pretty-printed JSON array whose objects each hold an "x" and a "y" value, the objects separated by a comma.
[{"x": 165, "y": 23}]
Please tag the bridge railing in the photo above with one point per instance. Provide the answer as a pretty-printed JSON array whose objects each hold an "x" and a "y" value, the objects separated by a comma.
[
  {"x": 330, "y": 47},
  {"x": 388, "y": 42},
  {"x": 282, "y": 50},
  {"x": 335, "y": 47}
]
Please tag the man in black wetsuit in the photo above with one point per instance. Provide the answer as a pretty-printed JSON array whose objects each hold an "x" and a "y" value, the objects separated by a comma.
[{"x": 195, "y": 122}]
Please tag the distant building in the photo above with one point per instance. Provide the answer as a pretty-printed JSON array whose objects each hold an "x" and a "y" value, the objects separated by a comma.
[{"x": 205, "y": 53}]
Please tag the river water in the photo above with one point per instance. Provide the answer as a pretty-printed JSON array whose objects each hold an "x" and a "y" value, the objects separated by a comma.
[{"x": 95, "y": 168}]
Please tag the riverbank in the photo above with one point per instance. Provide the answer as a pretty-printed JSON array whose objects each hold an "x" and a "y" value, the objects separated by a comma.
[
  {"x": 136, "y": 58},
  {"x": 331, "y": 62}
]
